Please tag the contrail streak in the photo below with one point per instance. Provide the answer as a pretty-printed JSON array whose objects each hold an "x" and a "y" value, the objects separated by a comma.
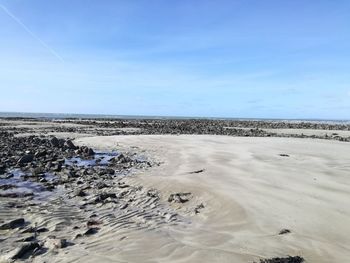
[{"x": 53, "y": 52}]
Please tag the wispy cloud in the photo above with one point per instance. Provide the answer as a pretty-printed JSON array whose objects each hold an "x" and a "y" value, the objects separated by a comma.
[{"x": 52, "y": 51}]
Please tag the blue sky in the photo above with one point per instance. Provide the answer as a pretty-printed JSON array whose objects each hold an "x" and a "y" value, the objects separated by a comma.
[{"x": 243, "y": 58}]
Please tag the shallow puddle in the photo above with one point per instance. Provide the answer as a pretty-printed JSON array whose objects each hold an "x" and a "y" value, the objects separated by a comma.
[{"x": 99, "y": 159}]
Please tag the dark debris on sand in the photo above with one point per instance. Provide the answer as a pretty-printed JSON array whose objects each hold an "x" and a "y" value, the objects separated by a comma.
[{"x": 289, "y": 259}]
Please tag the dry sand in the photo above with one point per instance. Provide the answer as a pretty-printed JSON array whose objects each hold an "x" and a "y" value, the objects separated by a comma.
[{"x": 250, "y": 193}]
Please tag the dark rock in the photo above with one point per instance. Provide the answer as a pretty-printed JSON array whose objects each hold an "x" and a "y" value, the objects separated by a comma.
[
  {"x": 121, "y": 158},
  {"x": 284, "y": 155},
  {"x": 198, "y": 171},
  {"x": 55, "y": 142},
  {"x": 123, "y": 185},
  {"x": 39, "y": 154},
  {"x": 15, "y": 195},
  {"x": 101, "y": 185},
  {"x": 80, "y": 193},
  {"x": 103, "y": 196},
  {"x": 91, "y": 231},
  {"x": 27, "y": 239},
  {"x": 7, "y": 186},
  {"x": 26, "y": 250},
  {"x": 13, "y": 224},
  {"x": 153, "y": 193},
  {"x": 92, "y": 223},
  {"x": 179, "y": 198},
  {"x": 90, "y": 152},
  {"x": 284, "y": 231},
  {"x": 198, "y": 208},
  {"x": 70, "y": 145},
  {"x": 2, "y": 169},
  {"x": 288, "y": 259},
  {"x": 27, "y": 158}
]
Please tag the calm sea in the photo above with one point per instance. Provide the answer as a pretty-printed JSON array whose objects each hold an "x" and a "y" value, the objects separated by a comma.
[{"x": 103, "y": 116}]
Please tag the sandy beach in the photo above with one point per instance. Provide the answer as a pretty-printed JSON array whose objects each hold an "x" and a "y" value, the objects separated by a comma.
[
  {"x": 250, "y": 193},
  {"x": 173, "y": 198}
]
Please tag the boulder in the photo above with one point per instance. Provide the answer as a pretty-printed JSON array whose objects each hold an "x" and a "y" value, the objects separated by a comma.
[
  {"x": 24, "y": 251},
  {"x": 13, "y": 224},
  {"x": 70, "y": 145},
  {"x": 27, "y": 158},
  {"x": 55, "y": 142}
]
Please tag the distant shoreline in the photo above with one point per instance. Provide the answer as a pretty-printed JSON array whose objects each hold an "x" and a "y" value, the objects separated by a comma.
[{"x": 50, "y": 116}]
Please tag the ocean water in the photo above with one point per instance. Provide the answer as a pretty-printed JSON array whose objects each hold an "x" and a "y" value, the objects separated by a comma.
[{"x": 136, "y": 117}]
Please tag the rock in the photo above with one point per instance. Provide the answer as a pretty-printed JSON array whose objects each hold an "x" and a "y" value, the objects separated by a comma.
[
  {"x": 124, "y": 206},
  {"x": 101, "y": 185},
  {"x": 91, "y": 231},
  {"x": 55, "y": 243},
  {"x": 13, "y": 224},
  {"x": 179, "y": 198},
  {"x": 27, "y": 239},
  {"x": 198, "y": 208},
  {"x": 92, "y": 223},
  {"x": 35, "y": 230},
  {"x": 15, "y": 195},
  {"x": 153, "y": 193},
  {"x": 55, "y": 142},
  {"x": 2, "y": 169},
  {"x": 7, "y": 186},
  {"x": 121, "y": 158},
  {"x": 25, "y": 251},
  {"x": 90, "y": 152},
  {"x": 103, "y": 196},
  {"x": 40, "y": 153},
  {"x": 197, "y": 171},
  {"x": 80, "y": 193},
  {"x": 284, "y": 231},
  {"x": 37, "y": 171},
  {"x": 284, "y": 155},
  {"x": 288, "y": 259},
  {"x": 70, "y": 145},
  {"x": 27, "y": 158},
  {"x": 123, "y": 185}
]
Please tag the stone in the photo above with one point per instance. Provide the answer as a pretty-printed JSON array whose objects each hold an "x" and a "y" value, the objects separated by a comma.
[
  {"x": 284, "y": 231},
  {"x": 198, "y": 208},
  {"x": 55, "y": 142},
  {"x": 55, "y": 243},
  {"x": 27, "y": 158},
  {"x": 91, "y": 231},
  {"x": 25, "y": 251},
  {"x": 40, "y": 153},
  {"x": 288, "y": 259},
  {"x": 153, "y": 193},
  {"x": 13, "y": 224},
  {"x": 90, "y": 152},
  {"x": 2, "y": 169},
  {"x": 70, "y": 145},
  {"x": 179, "y": 198},
  {"x": 80, "y": 193},
  {"x": 103, "y": 196}
]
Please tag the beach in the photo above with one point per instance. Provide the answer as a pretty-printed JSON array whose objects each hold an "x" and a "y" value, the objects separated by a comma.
[{"x": 190, "y": 198}]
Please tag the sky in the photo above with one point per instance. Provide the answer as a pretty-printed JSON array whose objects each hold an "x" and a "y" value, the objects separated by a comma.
[{"x": 234, "y": 58}]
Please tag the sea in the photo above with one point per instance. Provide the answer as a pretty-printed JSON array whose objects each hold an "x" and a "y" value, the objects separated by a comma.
[{"x": 58, "y": 116}]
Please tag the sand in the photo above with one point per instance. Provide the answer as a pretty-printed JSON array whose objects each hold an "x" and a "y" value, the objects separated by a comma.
[{"x": 249, "y": 193}]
